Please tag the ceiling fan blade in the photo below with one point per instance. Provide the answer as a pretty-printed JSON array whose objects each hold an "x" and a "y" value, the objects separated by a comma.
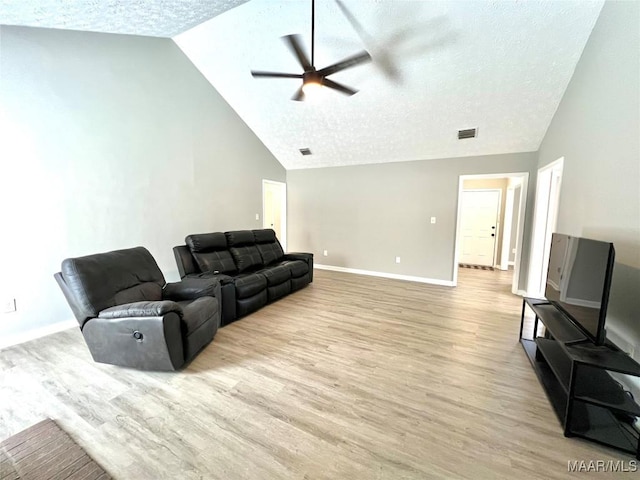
[
  {"x": 275, "y": 74},
  {"x": 299, "y": 95},
  {"x": 295, "y": 45},
  {"x": 348, "y": 62},
  {"x": 364, "y": 36},
  {"x": 338, "y": 86}
]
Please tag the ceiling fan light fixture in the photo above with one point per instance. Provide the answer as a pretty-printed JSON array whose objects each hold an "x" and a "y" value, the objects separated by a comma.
[{"x": 312, "y": 87}]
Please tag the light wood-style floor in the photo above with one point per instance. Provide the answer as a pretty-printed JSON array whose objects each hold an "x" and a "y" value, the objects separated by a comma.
[{"x": 353, "y": 377}]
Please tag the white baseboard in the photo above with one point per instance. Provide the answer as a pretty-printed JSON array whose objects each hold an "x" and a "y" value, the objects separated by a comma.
[
  {"x": 23, "y": 337},
  {"x": 395, "y": 276}
]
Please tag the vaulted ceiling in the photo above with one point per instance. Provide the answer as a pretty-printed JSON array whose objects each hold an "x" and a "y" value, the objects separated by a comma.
[{"x": 438, "y": 66}]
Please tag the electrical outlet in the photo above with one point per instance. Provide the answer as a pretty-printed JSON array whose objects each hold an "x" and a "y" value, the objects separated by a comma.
[
  {"x": 257, "y": 216},
  {"x": 325, "y": 253},
  {"x": 8, "y": 305},
  {"x": 397, "y": 259},
  {"x": 513, "y": 250}
]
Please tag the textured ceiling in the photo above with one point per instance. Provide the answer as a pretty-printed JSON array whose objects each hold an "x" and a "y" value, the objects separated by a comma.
[
  {"x": 499, "y": 65},
  {"x": 439, "y": 66},
  {"x": 155, "y": 18}
]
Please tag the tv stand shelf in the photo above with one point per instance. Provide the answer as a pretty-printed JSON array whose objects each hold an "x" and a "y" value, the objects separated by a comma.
[{"x": 575, "y": 375}]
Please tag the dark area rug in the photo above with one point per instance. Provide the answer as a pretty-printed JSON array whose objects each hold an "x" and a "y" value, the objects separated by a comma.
[
  {"x": 45, "y": 452},
  {"x": 477, "y": 267}
]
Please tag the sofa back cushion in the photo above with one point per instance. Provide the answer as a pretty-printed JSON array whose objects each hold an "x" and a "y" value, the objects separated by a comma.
[
  {"x": 268, "y": 245},
  {"x": 210, "y": 252},
  {"x": 103, "y": 280},
  {"x": 242, "y": 246}
]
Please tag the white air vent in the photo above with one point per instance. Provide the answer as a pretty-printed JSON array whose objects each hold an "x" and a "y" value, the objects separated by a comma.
[
  {"x": 305, "y": 151},
  {"x": 467, "y": 133}
]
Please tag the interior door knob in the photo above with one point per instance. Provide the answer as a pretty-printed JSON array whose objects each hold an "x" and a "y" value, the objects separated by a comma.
[{"x": 493, "y": 234}]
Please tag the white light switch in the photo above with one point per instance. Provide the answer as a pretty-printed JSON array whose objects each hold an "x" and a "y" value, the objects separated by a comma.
[
  {"x": 325, "y": 253},
  {"x": 397, "y": 259},
  {"x": 433, "y": 219},
  {"x": 8, "y": 305}
]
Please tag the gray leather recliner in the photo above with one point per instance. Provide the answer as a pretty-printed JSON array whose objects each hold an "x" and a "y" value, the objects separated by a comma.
[{"x": 130, "y": 316}]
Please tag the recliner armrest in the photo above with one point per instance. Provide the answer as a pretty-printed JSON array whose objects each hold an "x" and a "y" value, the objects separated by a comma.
[
  {"x": 192, "y": 288},
  {"x": 142, "y": 309}
]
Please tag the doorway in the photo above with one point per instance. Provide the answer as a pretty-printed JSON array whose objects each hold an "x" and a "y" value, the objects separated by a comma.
[
  {"x": 544, "y": 224},
  {"x": 509, "y": 226},
  {"x": 274, "y": 209},
  {"x": 479, "y": 226}
]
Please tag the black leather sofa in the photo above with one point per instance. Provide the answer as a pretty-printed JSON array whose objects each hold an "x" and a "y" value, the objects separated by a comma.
[
  {"x": 130, "y": 316},
  {"x": 250, "y": 265}
]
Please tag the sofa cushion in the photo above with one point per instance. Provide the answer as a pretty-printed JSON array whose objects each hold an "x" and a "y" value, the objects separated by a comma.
[
  {"x": 219, "y": 261},
  {"x": 238, "y": 238},
  {"x": 268, "y": 245},
  {"x": 248, "y": 284},
  {"x": 247, "y": 257},
  {"x": 298, "y": 268},
  {"x": 276, "y": 274},
  {"x": 206, "y": 242},
  {"x": 245, "y": 306},
  {"x": 243, "y": 249},
  {"x": 264, "y": 235},
  {"x": 210, "y": 253},
  {"x": 278, "y": 291}
]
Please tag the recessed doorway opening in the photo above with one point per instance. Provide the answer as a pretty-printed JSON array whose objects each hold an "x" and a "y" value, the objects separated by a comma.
[{"x": 490, "y": 223}]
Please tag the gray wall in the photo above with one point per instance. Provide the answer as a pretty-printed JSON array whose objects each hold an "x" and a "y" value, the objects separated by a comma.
[
  {"x": 111, "y": 141},
  {"x": 597, "y": 130},
  {"x": 367, "y": 215}
]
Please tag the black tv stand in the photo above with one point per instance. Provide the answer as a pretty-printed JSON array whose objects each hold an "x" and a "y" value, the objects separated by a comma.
[
  {"x": 579, "y": 342},
  {"x": 575, "y": 375}
]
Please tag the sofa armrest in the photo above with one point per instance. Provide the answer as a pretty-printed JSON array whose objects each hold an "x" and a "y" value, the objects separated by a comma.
[
  {"x": 299, "y": 256},
  {"x": 185, "y": 261},
  {"x": 147, "y": 343},
  {"x": 141, "y": 309},
  {"x": 192, "y": 288}
]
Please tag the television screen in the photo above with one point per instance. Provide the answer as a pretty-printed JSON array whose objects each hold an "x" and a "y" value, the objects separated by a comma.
[{"x": 578, "y": 281}]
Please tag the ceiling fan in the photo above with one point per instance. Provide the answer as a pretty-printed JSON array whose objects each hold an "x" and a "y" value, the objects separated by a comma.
[{"x": 312, "y": 77}]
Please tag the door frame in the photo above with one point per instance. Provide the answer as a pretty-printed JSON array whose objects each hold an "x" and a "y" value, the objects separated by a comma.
[
  {"x": 524, "y": 176},
  {"x": 515, "y": 184},
  {"x": 283, "y": 209},
  {"x": 508, "y": 226},
  {"x": 498, "y": 225},
  {"x": 545, "y": 217}
]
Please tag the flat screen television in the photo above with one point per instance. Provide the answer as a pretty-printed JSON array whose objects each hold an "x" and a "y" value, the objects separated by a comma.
[{"x": 578, "y": 281}]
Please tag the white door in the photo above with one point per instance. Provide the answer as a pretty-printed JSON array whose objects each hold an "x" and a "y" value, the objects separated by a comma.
[
  {"x": 479, "y": 226},
  {"x": 274, "y": 206}
]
